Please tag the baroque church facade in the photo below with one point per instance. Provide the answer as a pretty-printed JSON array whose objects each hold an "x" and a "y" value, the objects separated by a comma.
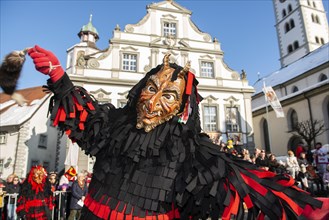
[
  {"x": 302, "y": 83},
  {"x": 167, "y": 27}
]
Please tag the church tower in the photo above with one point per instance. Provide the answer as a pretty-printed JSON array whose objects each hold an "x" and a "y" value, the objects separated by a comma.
[{"x": 301, "y": 27}]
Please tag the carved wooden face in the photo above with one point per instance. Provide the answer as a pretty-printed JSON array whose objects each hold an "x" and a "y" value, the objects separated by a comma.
[
  {"x": 160, "y": 100},
  {"x": 38, "y": 175}
]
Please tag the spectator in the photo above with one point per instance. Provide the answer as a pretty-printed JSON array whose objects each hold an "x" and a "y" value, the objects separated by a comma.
[
  {"x": 79, "y": 191},
  {"x": 302, "y": 159},
  {"x": 302, "y": 176},
  {"x": 315, "y": 178},
  {"x": 65, "y": 184},
  {"x": 262, "y": 160},
  {"x": 13, "y": 189},
  {"x": 309, "y": 154},
  {"x": 8, "y": 181},
  {"x": 2, "y": 196},
  {"x": 246, "y": 155},
  {"x": 274, "y": 165},
  {"x": 326, "y": 177},
  {"x": 321, "y": 159},
  {"x": 292, "y": 164},
  {"x": 253, "y": 159},
  {"x": 53, "y": 179},
  {"x": 299, "y": 149},
  {"x": 257, "y": 152}
]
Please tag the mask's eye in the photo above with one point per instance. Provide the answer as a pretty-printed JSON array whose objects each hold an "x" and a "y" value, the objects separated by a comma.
[
  {"x": 151, "y": 89},
  {"x": 169, "y": 97}
]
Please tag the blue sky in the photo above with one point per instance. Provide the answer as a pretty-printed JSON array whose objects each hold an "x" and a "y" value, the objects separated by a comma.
[{"x": 244, "y": 28}]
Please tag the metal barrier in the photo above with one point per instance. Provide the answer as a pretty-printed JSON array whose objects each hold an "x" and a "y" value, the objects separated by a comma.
[{"x": 57, "y": 201}]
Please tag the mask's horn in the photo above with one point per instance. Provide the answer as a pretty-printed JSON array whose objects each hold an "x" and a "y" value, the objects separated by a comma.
[
  {"x": 166, "y": 61},
  {"x": 185, "y": 70}
]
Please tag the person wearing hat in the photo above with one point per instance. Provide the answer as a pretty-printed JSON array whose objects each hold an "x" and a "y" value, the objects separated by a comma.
[
  {"x": 64, "y": 186},
  {"x": 154, "y": 161}
]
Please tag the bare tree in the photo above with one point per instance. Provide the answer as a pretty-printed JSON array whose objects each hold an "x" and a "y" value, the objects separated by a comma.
[{"x": 309, "y": 130}]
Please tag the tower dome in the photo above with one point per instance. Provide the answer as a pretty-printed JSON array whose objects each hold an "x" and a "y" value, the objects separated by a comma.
[{"x": 88, "y": 32}]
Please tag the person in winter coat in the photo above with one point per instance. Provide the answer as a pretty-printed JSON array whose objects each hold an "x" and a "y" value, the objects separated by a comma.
[
  {"x": 79, "y": 191},
  {"x": 154, "y": 161},
  {"x": 35, "y": 199}
]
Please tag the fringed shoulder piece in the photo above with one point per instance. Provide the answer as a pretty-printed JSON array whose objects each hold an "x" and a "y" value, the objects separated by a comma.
[{"x": 77, "y": 114}]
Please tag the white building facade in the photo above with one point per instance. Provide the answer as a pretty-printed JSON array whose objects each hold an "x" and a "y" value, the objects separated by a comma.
[
  {"x": 166, "y": 28},
  {"x": 302, "y": 84},
  {"x": 27, "y": 137}
]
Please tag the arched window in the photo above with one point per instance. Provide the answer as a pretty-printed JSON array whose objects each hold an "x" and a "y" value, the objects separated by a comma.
[
  {"x": 296, "y": 45},
  {"x": 308, "y": 3},
  {"x": 295, "y": 89},
  {"x": 293, "y": 119},
  {"x": 287, "y": 27},
  {"x": 313, "y": 19},
  {"x": 284, "y": 13},
  {"x": 314, "y": 5},
  {"x": 290, "y": 49},
  {"x": 322, "y": 41},
  {"x": 317, "y": 19},
  {"x": 317, "y": 40},
  {"x": 266, "y": 136},
  {"x": 289, "y": 8},
  {"x": 322, "y": 77},
  {"x": 292, "y": 24}
]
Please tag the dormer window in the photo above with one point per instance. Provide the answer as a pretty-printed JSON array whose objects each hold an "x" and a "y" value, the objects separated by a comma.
[
  {"x": 207, "y": 69},
  {"x": 169, "y": 28},
  {"x": 129, "y": 62},
  {"x": 295, "y": 89}
]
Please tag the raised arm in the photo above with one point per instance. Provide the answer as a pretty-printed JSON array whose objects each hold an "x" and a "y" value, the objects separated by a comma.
[{"x": 72, "y": 109}]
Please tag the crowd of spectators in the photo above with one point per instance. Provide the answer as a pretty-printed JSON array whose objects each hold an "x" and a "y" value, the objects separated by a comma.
[
  {"x": 309, "y": 168},
  {"x": 69, "y": 190}
]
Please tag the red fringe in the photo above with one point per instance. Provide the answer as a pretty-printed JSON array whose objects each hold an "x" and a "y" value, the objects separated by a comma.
[{"x": 105, "y": 212}]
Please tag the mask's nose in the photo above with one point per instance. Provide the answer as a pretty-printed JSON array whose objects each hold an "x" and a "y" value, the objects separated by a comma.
[{"x": 154, "y": 102}]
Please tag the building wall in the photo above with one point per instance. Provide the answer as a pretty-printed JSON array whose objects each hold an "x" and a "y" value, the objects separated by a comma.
[
  {"x": 23, "y": 141},
  {"x": 8, "y": 152},
  {"x": 316, "y": 109},
  {"x": 40, "y": 125}
]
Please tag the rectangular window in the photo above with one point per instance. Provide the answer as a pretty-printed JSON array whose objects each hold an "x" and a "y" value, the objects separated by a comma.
[
  {"x": 232, "y": 119},
  {"x": 210, "y": 118},
  {"x": 3, "y": 138},
  {"x": 129, "y": 62},
  {"x": 207, "y": 69},
  {"x": 42, "y": 141},
  {"x": 169, "y": 29}
]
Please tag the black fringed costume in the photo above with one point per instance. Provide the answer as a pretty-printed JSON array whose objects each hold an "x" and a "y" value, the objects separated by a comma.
[
  {"x": 173, "y": 171},
  {"x": 35, "y": 201}
]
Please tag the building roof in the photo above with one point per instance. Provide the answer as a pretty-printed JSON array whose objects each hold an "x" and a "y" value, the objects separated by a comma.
[
  {"x": 12, "y": 114},
  {"x": 297, "y": 68}
]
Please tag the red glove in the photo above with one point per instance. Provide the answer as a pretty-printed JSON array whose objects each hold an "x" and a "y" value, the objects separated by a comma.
[{"x": 46, "y": 62}]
